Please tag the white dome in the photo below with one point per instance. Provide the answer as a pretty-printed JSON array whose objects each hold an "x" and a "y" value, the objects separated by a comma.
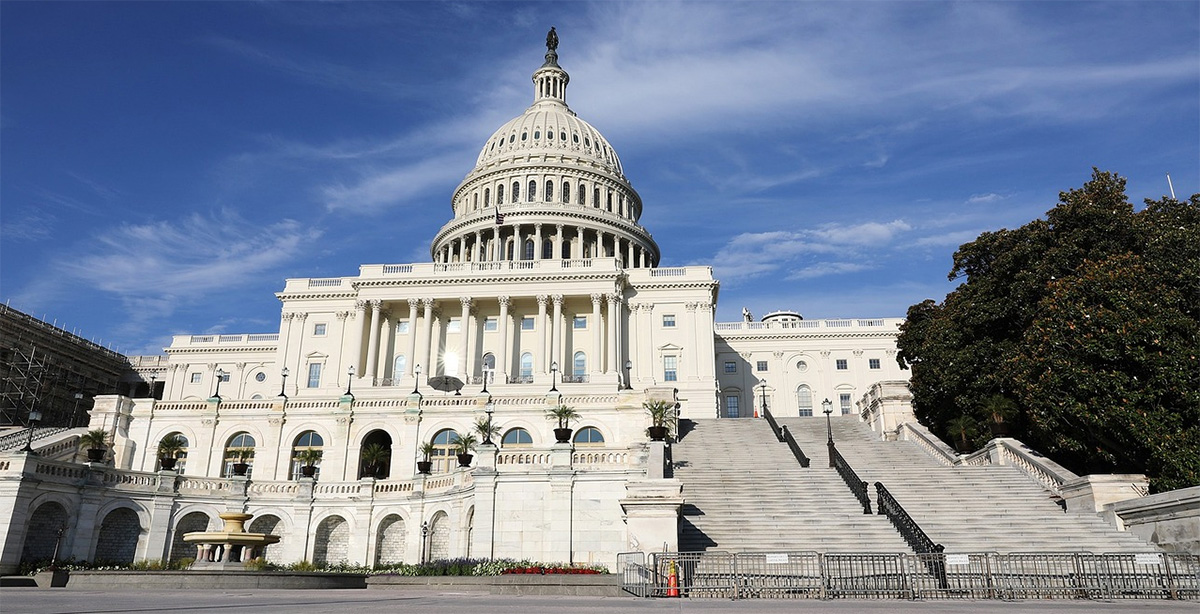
[{"x": 549, "y": 127}]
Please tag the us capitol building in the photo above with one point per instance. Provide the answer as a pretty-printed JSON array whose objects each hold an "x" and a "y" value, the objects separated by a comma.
[{"x": 543, "y": 290}]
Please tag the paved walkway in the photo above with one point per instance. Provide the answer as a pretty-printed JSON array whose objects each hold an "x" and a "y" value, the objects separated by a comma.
[{"x": 379, "y": 601}]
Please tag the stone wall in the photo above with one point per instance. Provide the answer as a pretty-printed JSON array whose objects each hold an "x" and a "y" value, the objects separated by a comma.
[
  {"x": 331, "y": 541},
  {"x": 119, "y": 534},
  {"x": 195, "y": 521},
  {"x": 44, "y": 526},
  {"x": 390, "y": 541}
]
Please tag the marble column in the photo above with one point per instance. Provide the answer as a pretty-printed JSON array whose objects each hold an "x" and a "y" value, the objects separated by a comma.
[
  {"x": 597, "y": 365},
  {"x": 356, "y": 333},
  {"x": 614, "y": 357},
  {"x": 373, "y": 340},
  {"x": 542, "y": 325},
  {"x": 410, "y": 359},
  {"x": 503, "y": 326},
  {"x": 464, "y": 335},
  {"x": 427, "y": 336},
  {"x": 556, "y": 331}
]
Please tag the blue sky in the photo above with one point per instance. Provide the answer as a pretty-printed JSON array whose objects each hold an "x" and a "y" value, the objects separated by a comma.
[{"x": 165, "y": 166}]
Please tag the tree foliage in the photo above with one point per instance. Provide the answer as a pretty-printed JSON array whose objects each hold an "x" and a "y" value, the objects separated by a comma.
[{"x": 1086, "y": 322}]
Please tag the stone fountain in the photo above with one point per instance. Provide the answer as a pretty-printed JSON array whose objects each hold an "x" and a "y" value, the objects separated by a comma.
[{"x": 231, "y": 547}]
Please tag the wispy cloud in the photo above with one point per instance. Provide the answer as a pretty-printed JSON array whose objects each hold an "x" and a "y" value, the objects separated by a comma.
[
  {"x": 811, "y": 253},
  {"x": 990, "y": 197},
  {"x": 378, "y": 190}
]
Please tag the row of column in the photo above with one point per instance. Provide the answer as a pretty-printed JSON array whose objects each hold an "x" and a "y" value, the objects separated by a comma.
[
  {"x": 490, "y": 245},
  {"x": 605, "y": 331}
]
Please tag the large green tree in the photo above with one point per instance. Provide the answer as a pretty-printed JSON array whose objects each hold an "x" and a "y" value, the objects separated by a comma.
[{"x": 1080, "y": 331}]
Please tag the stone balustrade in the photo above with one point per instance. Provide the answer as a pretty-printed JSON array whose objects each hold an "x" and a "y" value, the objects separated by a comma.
[{"x": 816, "y": 326}]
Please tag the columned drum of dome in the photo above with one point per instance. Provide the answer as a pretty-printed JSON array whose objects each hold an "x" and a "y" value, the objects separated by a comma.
[{"x": 546, "y": 186}]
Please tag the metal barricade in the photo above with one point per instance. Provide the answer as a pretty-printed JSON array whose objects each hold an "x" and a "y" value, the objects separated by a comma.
[
  {"x": 951, "y": 576},
  {"x": 697, "y": 574},
  {"x": 1183, "y": 573},
  {"x": 1128, "y": 576},
  {"x": 780, "y": 575},
  {"x": 866, "y": 575},
  {"x": 1040, "y": 575},
  {"x": 636, "y": 578}
]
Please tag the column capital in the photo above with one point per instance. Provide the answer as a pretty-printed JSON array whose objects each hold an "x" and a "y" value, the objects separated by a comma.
[
  {"x": 504, "y": 299},
  {"x": 614, "y": 299},
  {"x": 597, "y": 298},
  {"x": 376, "y": 304},
  {"x": 558, "y": 300},
  {"x": 360, "y": 305},
  {"x": 342, "y": 315},
  {"x": 428, "y": 303},
  {"x": 302, "y": 315},
  {"x": 542, "y": 299},
  {"x": 287, "y": 316},
  {"x": 465, "y": 301},
  {"x": 413, "y": 303},
  {"x": 690, "y": 306}
]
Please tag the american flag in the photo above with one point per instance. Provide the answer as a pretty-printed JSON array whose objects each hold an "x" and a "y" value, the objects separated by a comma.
[{"x": 499, "y": 216}]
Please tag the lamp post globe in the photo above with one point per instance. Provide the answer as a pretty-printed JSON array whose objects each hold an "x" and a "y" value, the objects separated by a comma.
[
  {"x": 416, "y": 379},
  {"x": 283, "y": 375},
  {"x": 487, "y": 435},
  {"x": 553, "y": 374}
]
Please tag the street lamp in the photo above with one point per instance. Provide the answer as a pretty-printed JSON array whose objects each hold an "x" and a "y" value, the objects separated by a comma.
[
  {"x": 416, "y": 379},
  {"x": 763, "y": 396},
  {"x": 486, "y": 374},
  {"x": 349, "y": 378},
  {"x": 827, "y": 409},
  {"x": 553, "y": 373},
  {"x": 424, "y": 538},
  {"x": 220, "y": 376},
  {"x": 487, "y": 435},
  {"x": 75, "y": 412},
  {"x": 35, "y": 416},
  {"x": 153, "y": 379},
  {"x": 283, "y": 373},
  {"x": 629, "y": 375}
]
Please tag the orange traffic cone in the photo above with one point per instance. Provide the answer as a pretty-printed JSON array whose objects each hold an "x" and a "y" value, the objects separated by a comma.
[{"x": 672, "y": 582}]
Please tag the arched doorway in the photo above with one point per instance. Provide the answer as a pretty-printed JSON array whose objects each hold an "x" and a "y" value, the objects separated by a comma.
[
  {"x": 118, "y": 539},
  {"x": 194, "y": 521},
  {"x": 42, "y": 534},
  {"x": 331, "y": 541},
  {"x": 375, "y": 455},
  {"x": 268, "y": 524},
  {"x": 390, "y": 540}
]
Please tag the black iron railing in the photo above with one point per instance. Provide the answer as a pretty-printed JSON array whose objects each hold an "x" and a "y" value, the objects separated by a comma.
[
  {"x": 857, "y": 486},
  {"x": 913, "y": 534},
  {"x": 773, "y": 423},
  {"x": 795, "y": 447}
]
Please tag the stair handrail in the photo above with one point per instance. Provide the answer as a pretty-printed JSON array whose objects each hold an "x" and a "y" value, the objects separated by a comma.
[
  {"x": 912, "y": 533},
  {"x": 774, "y": 425},
  {"x": 795, "y": 447},
  {"x": 857, "y": 486},
  {"x": 934, "y": 447},
  {"x": 1008, "y": 451}
]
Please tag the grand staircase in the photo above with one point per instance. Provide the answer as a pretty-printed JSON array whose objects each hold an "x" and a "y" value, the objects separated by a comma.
[{"x": 744, "y": 491}]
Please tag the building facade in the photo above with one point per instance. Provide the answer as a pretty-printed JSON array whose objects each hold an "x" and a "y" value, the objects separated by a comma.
[{"x": 543, "y": 290}]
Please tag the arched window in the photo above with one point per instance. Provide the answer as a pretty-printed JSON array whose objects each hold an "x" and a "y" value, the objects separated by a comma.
[
  {"x": 549, "y": 191},
  {"x": 181, "y": 455},
  {"x": 547, "y": 249},
  {"x": 500, "y": 194},
  {"x": 308, "y": 440},
  {"x": 527, "y": 367},
  {"x": 398, "y": 367},
  {"x": 532, "y": 190},
  {"x": 444, "y": 451},
  {"x": 515, "y": 438},
  {"x": 487, "y": 197},
  {"x": 240, "y": 449},
  {"x": 804, "y": 400},
  {"x": 582, "y": 191},
  {"x": 528, "y": 251},
  {"x": 489, "y": 367},
  {"x": 566, "y": 192},
  {"x": 596, "y": 198},
  {"x": 516, "y": 191},
  {"x": 475, "y": 197},
  {"x": 610, "y": 201},
  {"x": 579, "y": 364},
  {"x": 589, "y": 436},
  {"x": 566, "y": 249}
]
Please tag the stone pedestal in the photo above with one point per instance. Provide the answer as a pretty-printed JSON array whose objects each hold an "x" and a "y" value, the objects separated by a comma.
[{"x": 651, "y": 510}]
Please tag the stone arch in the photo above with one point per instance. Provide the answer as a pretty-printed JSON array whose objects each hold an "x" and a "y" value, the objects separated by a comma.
[
  {"x": 192, "y": 521},
  {"x": 41, "y": 533},
  {"x": 469, "y": 530},
  {"x": 268, "y": 524},
  {"x": 439, "y": 536},
  {"x": 118, "y": 537},
  {"x": 390, "y": 540},
  {"x": 331, "y": 541}
]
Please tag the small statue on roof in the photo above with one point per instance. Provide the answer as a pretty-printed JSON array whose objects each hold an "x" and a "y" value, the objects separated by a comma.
[{"x": 552, "y": 40}]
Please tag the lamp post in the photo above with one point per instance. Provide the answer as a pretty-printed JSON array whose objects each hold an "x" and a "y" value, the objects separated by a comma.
[
  {"x": 827, "y": 409},
  {"x": 424, "y": 538},
  {"x": 35, "y": 416},
  {"x": 153, "y": 379},
  {"x": 220, "y": 376},
  {"x": 763, "y": 396},
  {"x": 283, "y": 373},
  {"x": 75, "y": 412},
  {"x": 487, "y": 373},
  {"x": 416, "y": 379},
  {"x": 553, "y": 373},
  {"x": 629, "y": 375},
  {"x": 349, "y": 379},
  {"x": 487, "y": 435}
]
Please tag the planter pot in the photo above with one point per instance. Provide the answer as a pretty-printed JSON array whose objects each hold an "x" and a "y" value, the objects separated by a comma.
[
  {"x": 464, "y": 460},
  {"x": 657, "y": 433},
  {"x": 308, "y": 471},
  {"x": 96, "y": 455},
  {"x": 167, "y": 463},
  {"x": 240, "y": 468},
  {"x": 424, "y": 467},
  {"x": 562, "y": 435},
  {"x": 1000, "y": 429}
]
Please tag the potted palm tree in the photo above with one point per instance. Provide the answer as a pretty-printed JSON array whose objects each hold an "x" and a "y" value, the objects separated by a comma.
[
  {"x": 563, "y": 414},
  {"x": 427, "y": 450},
  {"x": 243, "y": 456},
  {"x": 464, "y": 445},
  {"x": 1001, "y": 410},
  {"x": 374, "y": 459},
  {"x": 96, "y": 443},
  {"x": 168, "y": 451},
  {"x": 309, "y": 457},
  {"x": 487, "y": 431},
  {"x": 963, "y": 430},
  {"x": 662, "y": 419}
]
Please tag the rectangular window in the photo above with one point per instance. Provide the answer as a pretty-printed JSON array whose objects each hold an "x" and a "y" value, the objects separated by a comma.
[
  {"x": 841, "y": 364},
  {"x": 580, "y": 322},
  {"x": 730, "y": 366},
  {"x": 195, "y": 378},
  {"x": 224, "y": 377},
  {"x": 319, "y": 330},
  {"x": 845, "y": 400},
  {"x": 670, "y": 368},
  {"x": 314, "y": 375},
  {"x": 731, "y": 407},
  {"x": 490, "y": 325},
  {"x": 454, "y": 325},
  {"x": 669, "y": 321},
  {"x": 873, "y": 363},
  {"x": 526, "y": 323},
  {"x": 762, "y": 366},
  {"x": 402, "y": 328}
]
